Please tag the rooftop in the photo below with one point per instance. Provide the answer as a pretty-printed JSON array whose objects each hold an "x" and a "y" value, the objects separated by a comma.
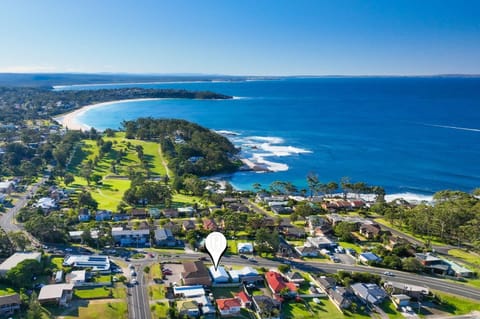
[
  {"x": 17, "y": 258},
  {"x": 49, "y": 292}
]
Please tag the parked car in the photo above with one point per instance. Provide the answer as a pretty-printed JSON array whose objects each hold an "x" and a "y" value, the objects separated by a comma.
[
  {"x": 243, "y": 257},
  {"x": 388, "y": 273},
  {"x": 252, "y": 260}
]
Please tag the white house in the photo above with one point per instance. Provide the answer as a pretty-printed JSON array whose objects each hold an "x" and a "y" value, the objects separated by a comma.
[
  {"x": 17, "y": 258},
  {"x": 77, "y": 277},
  {"x": 243, "y": 273},
  {"x": 219, "y": 275}
]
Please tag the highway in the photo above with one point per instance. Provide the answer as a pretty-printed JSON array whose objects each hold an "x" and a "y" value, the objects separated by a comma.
[
  {"x": 429, "y": 282},
  {"x": 138, "y": 302}
]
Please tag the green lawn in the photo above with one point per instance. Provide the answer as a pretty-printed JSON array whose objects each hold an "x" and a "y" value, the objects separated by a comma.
[
  {"x": 156, "y": 292},
  {"x": 422, "y": 239},
  {"x": 456, "y": 305},
  {"x": 5, "y": 290},
  {"x": 391, "y": 310},
  {"x": 346, "y": 245},
  {"x": 326, "y": 309},
  {"x": 225, "y": 292},
  {"x": 159, "y": 309},
  {"x": 108, "y": 310},
  {"x": 469, "y": 257},
  {"x": 100, "y": 292},
  {"x": 57, "y": 262}
]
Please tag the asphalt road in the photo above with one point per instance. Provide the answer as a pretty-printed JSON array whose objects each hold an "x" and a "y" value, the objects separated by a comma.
[
  {"x": 431, "y": 283},
  {"x": 138, "y": 302},
  {"x": 7, "y": 222}
]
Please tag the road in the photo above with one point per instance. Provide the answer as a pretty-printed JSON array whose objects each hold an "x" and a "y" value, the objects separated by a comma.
[
  {"x": 431, "y": 283},
  {"x": 7, "y": 222},
  {"x": 138, "y": 302}
]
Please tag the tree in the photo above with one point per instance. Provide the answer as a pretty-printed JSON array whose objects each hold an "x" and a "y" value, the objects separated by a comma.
[
  {"x": 35, "y": 310},
  {"x": 313, "y": 183},
  {"x": 146, "y": 269},
  {"x": 19, "y": 240},
  {"x": 68, "y": 179},
  {"x": 412, "y": 264},
  {"x": 21, "y": 275},
  {"x": 266, "y": 242},
  {"x": 284, "y": 268},
  {"x": 85, "y": 199}
]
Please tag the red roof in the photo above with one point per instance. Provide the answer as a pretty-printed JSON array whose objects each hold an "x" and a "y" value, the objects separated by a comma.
[
  {"x": 243, "y": 297},
  {"x": 277, "y": 283},
  {"x": 226, "y": 304}
]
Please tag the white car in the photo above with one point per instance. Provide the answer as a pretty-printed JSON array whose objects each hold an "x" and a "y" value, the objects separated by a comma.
[
  {"x": 388, "y": 273},
  {"x": 134, "y": 281}
]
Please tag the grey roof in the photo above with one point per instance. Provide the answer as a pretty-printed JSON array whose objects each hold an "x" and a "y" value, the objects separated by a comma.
[
  {"x": 17, "y": 258},
  {"x": 49, "y": 292},
  {"x": 370, "y": 293},
  {"x": 163, "y": 234}
]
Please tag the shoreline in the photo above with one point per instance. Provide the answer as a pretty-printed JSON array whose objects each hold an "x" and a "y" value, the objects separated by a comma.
[{"x": 69, "y": 120}]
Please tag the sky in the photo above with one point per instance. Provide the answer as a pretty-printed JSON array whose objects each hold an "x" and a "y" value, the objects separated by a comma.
[{"x": 247, "y": 37}]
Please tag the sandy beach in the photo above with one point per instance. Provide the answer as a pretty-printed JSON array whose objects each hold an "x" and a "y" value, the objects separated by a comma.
[{"x": 69, "y": 120}]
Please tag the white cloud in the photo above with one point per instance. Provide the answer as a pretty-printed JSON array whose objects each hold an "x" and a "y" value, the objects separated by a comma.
[{"x": 28, "y": 69}]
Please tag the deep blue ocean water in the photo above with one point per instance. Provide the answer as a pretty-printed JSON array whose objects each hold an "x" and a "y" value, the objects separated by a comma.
[{"x": 409, "y": 135}]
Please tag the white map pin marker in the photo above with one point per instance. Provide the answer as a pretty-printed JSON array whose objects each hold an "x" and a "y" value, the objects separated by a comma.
[{"x": 216, "y": 245}]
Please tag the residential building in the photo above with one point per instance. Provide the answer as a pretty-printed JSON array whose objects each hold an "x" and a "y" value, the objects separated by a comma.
[
  {"x": 188, "y": 291},
  {"x": 219, "y": 275},
  {"x": 46, "y": 204},
  {"x": 244, "y": 299},
  {"x": 94, "y": 262},
  {"x": 154, "y": 213},
  {"x": 103, "y": 215},
  {"x": 195, "y": 273},
  {"x": 188, "y": 225},
  {"x": 340, "y": 297},
  {"x": 369, "y": 293},
  {"x": 433, "y": 264},
  {"x": 307, "y": 251},
  {"x": 186, "y": 211},
  {"x": 76, "y": 235},
  {"x": 59, "y": 276},
  {"x": 229, "y": 307},
  {"x": 460, "y": 271},
  {"x": 245, "y": 248},
  {"x": 9, "y": 304},
  {"x": 138, "y": 213},
  {"x": 277, "y": 284},
  {"x": 76, "y": 277},
  {"x": 400, "y": 300},
  {"x": 370, "y": 231},
  {"x": 246, "y": 274},
  {"x": 170, "y": 213},
  {"x": 368, "y": 258},
  {"x": 318, "y": 226},
  {"x": 266, "y": 307},
  {"x": 120, "y": 217},
  {"x": 59, "y": 294},
  {"x": 295, "y": 277},
  {"x": 6, "y": 187},
  {"x": 320, "y": 242},
  {"x": 165, "y": 238},
  {"x": 17, "y": 258},
  {"x": 395, "y": 287},
  {"x": 127, "y": 237},
  {"x": 3, "y": 198},
  {"x": 210, "y": 224},
  {"x": 294, "y": 232},
  {"x": 84, "y": 215}
]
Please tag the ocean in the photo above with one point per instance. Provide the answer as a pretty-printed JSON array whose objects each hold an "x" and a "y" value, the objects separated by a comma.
[{"x": 412, "y": 135}]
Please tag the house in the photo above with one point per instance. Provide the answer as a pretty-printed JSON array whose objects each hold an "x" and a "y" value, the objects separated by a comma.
[
  {"x": 7, "y": 187},
  {"x": 76, "y": 277},
  {"x": 295, "y": 277},
  {"x": 279, "y": 209},
  {"x": 9, "y": 304},
  {"x": 245, "y": 299},
  {"x": 460, "y": 271},
  {"x": 238, "y": 208},
  {"x": 246, "y": 274},
  {"x": 46, "y": 204},
  {"x": 138, "y": 213},
  {"x": 318, "y": 226},
  {"x": 94, "y": 262},
  {"x": 188, "y": 225},
  {"x": 370, "y": 231},
  {"x": 76, "y": 235},
  {"x": 165, "y": 238},
  {"x": 320, "y": 242},
  {"x": 278, "y": 285},
  {"x": 229, "y": 307},
  {"x": 327, "y": 283},
  {"x": 395, "y": 241},
  {"x": 400, "y": 300},
  {"x": 3, "y": 198},
  {"x": 369, "y": 257},
  {"x": 219, "y": 275},
  {"x": 126, "y": 237},
  {"x": 59, "y": 276},
  {"x": 245, "y": 248},
  {"x": 188, "y": 291},
  {"x": 103, "y": 215},
  {"x": 209, "y": 224},
  {"x": 84, "y": 215},
  {"x": 307, "y": 251},
  {"x": 120, "y": 217},
  {"x": 186, "y": 211},
  {"x": 433, "y": 264},
  {"x": 170, "y": 213},
  {"x": 17, "y": 258},
  {"x": 395, "y": 287},
  {"x": 369, "y": 293},
  {"x": 266, "y": 307},
  {"x": 195, "y": 273},
  {"x": 154, "y": 213},
  {"x": 59, "y": 294},
  {"x": 340, "y": 297}
]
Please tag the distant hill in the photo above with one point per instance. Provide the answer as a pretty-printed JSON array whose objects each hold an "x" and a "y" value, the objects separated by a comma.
[{"x": 52, "y": 79}]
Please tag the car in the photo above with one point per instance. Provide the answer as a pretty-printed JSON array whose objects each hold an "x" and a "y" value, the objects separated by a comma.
[
  {"x": 203, "y": 258},
  {"x": 151, "y": 255},
  {"x": 133, "y": 273},
  {"x": 388, "y": 273},
  {"x": 68, "y": 249},
  {"x": 243, "y": 257},
  {"x": 252, "y": 260},
  {"x": 250, "y": 285},
  {"x": 167, "y": 272},
  {"x": 134, "y": 281}
]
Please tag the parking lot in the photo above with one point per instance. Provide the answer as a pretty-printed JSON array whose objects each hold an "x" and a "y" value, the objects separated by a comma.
[{"x": 175, "y": 277}]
